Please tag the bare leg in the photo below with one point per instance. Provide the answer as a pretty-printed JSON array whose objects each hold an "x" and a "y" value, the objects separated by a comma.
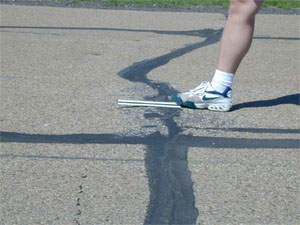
[
  {"x": 236, "y": 40},
  {"x": 238, "y": 33}
]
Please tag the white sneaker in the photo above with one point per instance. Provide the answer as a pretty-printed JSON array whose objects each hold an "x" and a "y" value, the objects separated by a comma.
[{"x": 205, "y": 97}]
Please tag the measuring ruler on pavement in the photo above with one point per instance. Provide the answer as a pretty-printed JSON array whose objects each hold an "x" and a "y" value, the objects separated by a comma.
[{"x": 148, "y": 103}]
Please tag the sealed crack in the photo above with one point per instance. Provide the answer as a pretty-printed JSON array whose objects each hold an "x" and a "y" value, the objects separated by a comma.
[{"x": 172, "y": 199}]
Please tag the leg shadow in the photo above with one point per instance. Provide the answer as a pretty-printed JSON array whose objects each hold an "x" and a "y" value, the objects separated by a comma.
[{"x": 289, "y": 99}]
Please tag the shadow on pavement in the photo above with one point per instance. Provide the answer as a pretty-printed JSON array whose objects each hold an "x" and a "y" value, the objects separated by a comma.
[
  {"x": 163, "y": 32},
  {"x": 289, "y": 99},
  {"x": 159, "y": 140}
]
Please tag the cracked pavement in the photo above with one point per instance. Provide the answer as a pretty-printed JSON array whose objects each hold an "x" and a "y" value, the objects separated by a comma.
[{"x": 70, "y": 155}]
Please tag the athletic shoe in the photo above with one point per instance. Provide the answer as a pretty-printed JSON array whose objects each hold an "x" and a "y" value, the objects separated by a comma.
[{"x": 205, "y": 97}]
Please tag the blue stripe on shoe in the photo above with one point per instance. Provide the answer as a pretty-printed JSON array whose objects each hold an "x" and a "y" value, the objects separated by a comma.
[{"x": 224, "y": 94}]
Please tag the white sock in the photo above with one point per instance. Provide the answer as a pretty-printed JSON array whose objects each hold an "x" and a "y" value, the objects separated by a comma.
[{"x": 222, "y": 80}]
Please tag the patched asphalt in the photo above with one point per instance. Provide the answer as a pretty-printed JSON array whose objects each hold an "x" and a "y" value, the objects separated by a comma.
[{"x": 70, "y": 155}]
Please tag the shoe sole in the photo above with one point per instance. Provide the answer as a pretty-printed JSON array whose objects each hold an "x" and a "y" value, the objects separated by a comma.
[{"x": 220, "y": 107}]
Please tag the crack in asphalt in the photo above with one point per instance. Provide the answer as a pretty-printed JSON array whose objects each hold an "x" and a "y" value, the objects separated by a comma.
[
  {"x": 78, "y": 200},
  {"x": 172, "y": 199}
]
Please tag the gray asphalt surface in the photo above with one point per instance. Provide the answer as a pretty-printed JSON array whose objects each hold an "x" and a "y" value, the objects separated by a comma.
[{"x": 70, "y": 155}]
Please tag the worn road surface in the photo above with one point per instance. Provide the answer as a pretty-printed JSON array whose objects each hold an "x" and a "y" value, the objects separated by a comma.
[{"x": 70, "y": 155}]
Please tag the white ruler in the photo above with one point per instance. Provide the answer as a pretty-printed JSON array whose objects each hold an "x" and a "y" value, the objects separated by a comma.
[{"x": 148, "y": 103}]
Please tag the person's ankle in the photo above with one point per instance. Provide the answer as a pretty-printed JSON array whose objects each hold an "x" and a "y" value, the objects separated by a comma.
[{"x": 222, "y": 80}]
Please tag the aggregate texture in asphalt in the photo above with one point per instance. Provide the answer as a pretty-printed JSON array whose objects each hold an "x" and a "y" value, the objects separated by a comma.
[{"x": 70, "y": 155}]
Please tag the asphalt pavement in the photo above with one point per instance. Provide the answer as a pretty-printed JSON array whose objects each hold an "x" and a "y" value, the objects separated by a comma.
[{"x": 70, "y": 155}]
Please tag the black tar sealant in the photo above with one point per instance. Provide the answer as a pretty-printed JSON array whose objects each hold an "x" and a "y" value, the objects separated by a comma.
[{"x": 172, "y": 199}]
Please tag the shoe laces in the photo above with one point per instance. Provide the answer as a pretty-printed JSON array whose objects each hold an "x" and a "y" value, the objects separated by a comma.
[{"x": 199, "y": 89}]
